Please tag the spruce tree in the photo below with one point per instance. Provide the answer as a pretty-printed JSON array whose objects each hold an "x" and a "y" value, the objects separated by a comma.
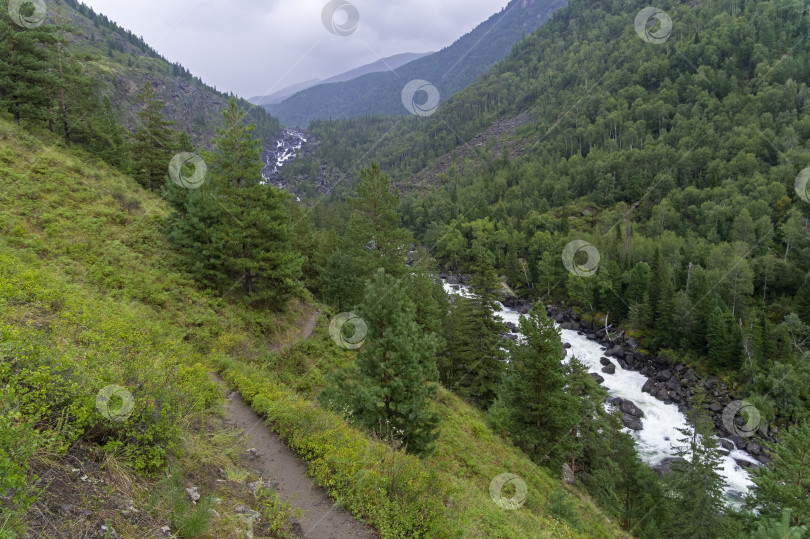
[
  {"x": 542, "y": 413},
  {"x": 26, "y": 74},
  {"x": 394, "y": 378},
  {"x": 342, "y": 281},
  {"x": 475, "y": 345},
  {"x": 695, "y": 485},
  {"x": 784, "y": 484},
  {"x": 154, "y": 143},
  {"x": 256, "y": 221}
]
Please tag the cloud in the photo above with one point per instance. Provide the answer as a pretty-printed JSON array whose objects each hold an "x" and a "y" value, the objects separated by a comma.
[{"x": 254, "y": 47}]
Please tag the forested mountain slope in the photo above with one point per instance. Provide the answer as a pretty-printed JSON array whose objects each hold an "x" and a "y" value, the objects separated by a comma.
[
  {"x": 120, "y": 63},
  {"x": 677, "y": 160},
  {"x": 449, "y": 70}
]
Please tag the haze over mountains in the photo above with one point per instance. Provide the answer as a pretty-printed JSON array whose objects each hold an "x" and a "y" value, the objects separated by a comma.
[
  {"x": 384, "y": 64},
  {"x": 449, "y": 70}
]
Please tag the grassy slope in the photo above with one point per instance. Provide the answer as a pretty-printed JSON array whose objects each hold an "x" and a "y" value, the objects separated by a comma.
[{"x": 85, "y": 267}]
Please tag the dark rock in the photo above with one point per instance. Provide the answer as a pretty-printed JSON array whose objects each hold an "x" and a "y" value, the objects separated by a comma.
[
  {"x": 632, "y": 422},
  {"x": 648, "y": 386},
  {"x": 739, "y": 441},
  {"x": 665, "y": 468},
  {"x": 616, "y": 401},
  {"x": 567, "y": 325},
  {"x": 727, "y": 444},
  {"x": 663, "y": 376},
  {"x": 673, "y": 384},
  {"x": 566, "y": 345},
  {"x": 689, "y": 376},
  {"x": 615, "y": 351},
  {"x": 764, "y": 459},
  {"x": 716, "y": 407},
  {"x": 511, "y": 326},
  {"x": 679, "y": 368},
  {"x": 598, "y": 377},
  {"x": 746, "y": 464},
  {"x": 609, "y": 369},
  {"x": 753, "y": 448},
  {"x": 453, "y": 279},
  {"x": 605, "y": 361},
  {"x": 724, "y": 452},
  {"x": 629, "y": 407}
]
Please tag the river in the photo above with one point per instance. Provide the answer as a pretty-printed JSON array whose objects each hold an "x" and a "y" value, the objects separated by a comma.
[{"x": 661, "y": 421}]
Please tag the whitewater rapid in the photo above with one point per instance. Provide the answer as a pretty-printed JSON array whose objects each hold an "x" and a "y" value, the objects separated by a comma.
[{"x": 657, "y": 440}]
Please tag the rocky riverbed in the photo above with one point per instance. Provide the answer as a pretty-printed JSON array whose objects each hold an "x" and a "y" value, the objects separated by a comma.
[{"x": 651, "y": 393}]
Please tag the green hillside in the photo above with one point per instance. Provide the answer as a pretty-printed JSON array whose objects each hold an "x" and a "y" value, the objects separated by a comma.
[{"x": 91, "y": 294}]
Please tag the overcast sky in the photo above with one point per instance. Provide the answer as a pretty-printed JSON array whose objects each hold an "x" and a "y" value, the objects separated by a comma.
[{"x": 257, "y": 47}]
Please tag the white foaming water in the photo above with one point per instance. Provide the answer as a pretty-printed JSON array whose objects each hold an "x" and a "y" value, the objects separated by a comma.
[{"x": 656, "y": 441}]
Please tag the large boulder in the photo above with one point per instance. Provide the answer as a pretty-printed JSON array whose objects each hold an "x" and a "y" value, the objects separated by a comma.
[
  {"x": 726, "y": 444},
  {"x": 648, "y": 385},
  {"x": 740, "y": 442},
  {"x": 598, "y": 377},
  {"x": 663, "y": 376},
  {"x": 604, "y": 361},
  {"x": 629, "y": 407},
  {"x": 753, "y": 448},
  {"x": 632, "y": 422},
  {"x": 665, "y": 468},
  {"x": 615, "y": 351},
  {"x": 609, "y": 369}
]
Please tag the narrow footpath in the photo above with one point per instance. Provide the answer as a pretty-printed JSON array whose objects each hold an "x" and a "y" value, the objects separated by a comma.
[{"x": 320, "y": 518}]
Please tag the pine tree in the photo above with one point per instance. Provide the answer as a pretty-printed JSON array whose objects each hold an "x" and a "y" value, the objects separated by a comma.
[
  {"x": 26, "y": 76},
  {"x": 785, "y": 482},
  {"x": 374, "y": 231},
  {"x": 153, "y": 141},
  {"x": 542, "y": 413},
  {"x": 256, "y": 231},
  {"x": 394, "y": 378},
  {"x": 696, "y": 486}
]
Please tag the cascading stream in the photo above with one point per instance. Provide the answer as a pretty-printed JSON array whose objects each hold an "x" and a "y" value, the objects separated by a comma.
[{"x": 656, "y": 441}]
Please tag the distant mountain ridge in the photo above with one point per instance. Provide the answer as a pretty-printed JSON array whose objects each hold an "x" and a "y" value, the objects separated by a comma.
[
  {"x": 450, "y": 70},
  {"x": 383, "y": 64}
]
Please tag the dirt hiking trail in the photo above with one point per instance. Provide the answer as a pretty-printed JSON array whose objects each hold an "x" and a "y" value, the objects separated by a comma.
[{"x": 276, "y": 462}]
